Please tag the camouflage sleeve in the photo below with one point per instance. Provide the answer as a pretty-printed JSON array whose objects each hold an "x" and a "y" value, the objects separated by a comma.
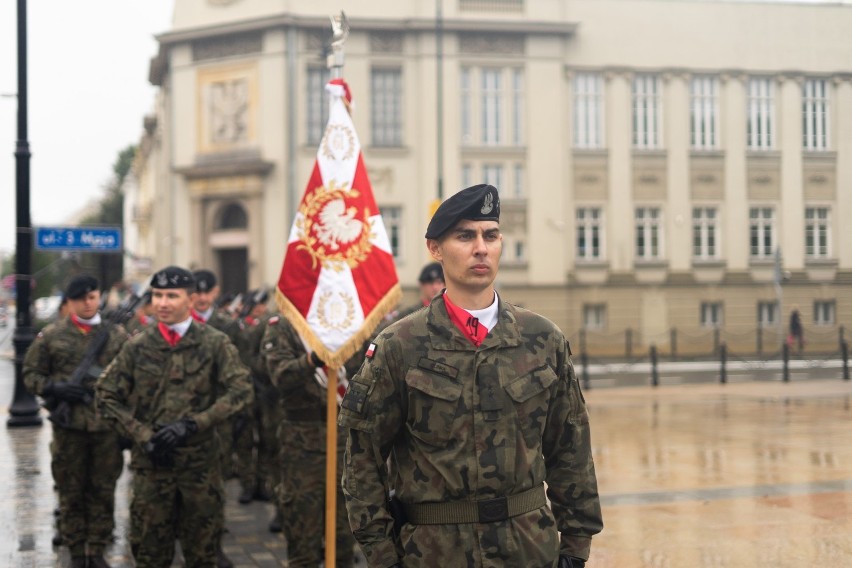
[
  {"x": 287, "y": 362},
  {"x": 37, "y": 365},
  {"x": 372, "y": 414},
  {"x": 236, "y": 389},
  {"x": 112, "y": 393},
  {"x": 571, "y": 481}
]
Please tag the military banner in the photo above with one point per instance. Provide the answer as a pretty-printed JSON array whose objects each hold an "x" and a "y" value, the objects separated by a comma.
[{"x": 338, "y": 278}]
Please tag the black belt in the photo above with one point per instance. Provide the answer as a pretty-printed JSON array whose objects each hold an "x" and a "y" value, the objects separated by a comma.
[
  {"x": 304, "y": 415},
  {"x": 485, "y": 511}
]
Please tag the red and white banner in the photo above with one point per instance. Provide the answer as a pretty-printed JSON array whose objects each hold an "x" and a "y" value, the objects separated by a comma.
[{"x": 338, "y": 278}]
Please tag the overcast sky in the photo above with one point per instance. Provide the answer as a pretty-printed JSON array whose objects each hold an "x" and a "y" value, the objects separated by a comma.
[{"x": 88, "y": 94}]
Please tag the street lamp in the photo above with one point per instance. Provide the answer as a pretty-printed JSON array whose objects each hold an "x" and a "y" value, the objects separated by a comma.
[{"x": 24, "y": 410}]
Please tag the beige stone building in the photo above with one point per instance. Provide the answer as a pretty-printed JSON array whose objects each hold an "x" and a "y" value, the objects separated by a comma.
[{"x": 655, "y": 157}]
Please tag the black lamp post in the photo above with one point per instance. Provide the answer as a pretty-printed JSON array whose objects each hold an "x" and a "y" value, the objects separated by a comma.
[{"x": 24, "y": 410}]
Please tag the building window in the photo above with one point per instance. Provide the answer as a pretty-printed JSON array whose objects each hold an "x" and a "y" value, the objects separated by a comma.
[
  {"x": 815, "y": 114},
  {"x": 517, "y": 107},
  {"x": 518, "y": 190},
  {"x": 392, "y": 218},
  {"x": 386, "y": 103},
  {"x": 762, "y": 232},
  {"x": 646, "y": 112},
  {"x": 317, "y": 100},
  {"x": 589, "y": 233},
  {"x": 761, "y": 114},
  {"x": 767, "y": 314},
  {"x": 514, "y": 249},
  {"x": 824, "y": 312},
  {"x": 467, "y": 175},
  {"x": 704, "y": 116},
  {"x": 711, "y": 314},
  {"x": 704, "y": 231},
  {"x": 466, "y": 106},
  {"x": 492, "y": 102},
  {"x": 594, "y": 316},
  {"x": 648, "y": 233},
  {"x": 491, "y": 113},
  {"x": 588, "y": 110},
  {"x": 492, "y": 174},
  {"x": 817, "y": 230}
]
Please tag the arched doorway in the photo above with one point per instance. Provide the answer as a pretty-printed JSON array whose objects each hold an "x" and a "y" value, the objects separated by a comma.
[{"x": 230, "y": 241}]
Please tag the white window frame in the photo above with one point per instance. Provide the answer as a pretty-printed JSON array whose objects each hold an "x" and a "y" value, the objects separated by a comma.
[
  {"x": 493, "y": 174},
  {"x": 589, "y": 106},
  {"x": 704, "y": 112},
  {"x": 818, "y": 232},
  {"x": 466, "y": 104},
  {"x": 767, "y": 313},
  {"x": 316, "y": 100},
  {"x": 514, "y": 249},
  {"x": 649, "y": 233},
  {"x": 590, "y": 230},
  {"x": 594, "y": 317},
  {"x": 467, "y": 175},
  {"x": 825, "y": 312},
  {"x": 705, "y": 232},
  {"x": 518, "y": 108},
  {"x": 392, "y": 219},
  {"x": 760, "y": 128},
  {"x": 491, "y": 105},
  {"x": 712, "y": 314},
  {"x": 647, "y": 112},
  {"x": 519, "y": 184},
  {"x": 386, "y": 106},
  {"x": 816, "y": 106},
  {"x": 762, "y": 225}
]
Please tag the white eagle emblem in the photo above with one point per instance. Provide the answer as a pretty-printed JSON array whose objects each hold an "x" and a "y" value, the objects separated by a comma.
[
  {"x": 487, "y": 204},
  {"x": 337, "y": 224}
]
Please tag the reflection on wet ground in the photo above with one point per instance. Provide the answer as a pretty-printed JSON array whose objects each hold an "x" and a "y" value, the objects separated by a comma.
[{"x": 752, "y": 474}]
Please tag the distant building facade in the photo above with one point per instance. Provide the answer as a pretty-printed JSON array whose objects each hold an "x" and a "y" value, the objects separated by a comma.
[{"x": 654, "y": 157}]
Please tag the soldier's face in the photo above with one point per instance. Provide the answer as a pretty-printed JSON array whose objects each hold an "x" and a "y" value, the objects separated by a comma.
[
  {"x": 429, "y": 290},
  {"x": 203, "y": 300},
  {"x": 470, "y": 255},
  {"x": 87, "y": 306},
  {"x": 171, "y": 305}
]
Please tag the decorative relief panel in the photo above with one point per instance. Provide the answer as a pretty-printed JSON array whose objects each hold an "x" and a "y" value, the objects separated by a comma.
[
  {"x": 707, "y": 178},
  {"x": 649, "y": 178},
  {"x": 591, "y": 181},
  {"x": 227, "y": 46},
  {"x": 386, "y": 42},
  {"x": 226, "y": 108},
  {"x": 764, "y": 179},
  {"x": 820, "y": 180},
  {"x": 492, "y": 44}
]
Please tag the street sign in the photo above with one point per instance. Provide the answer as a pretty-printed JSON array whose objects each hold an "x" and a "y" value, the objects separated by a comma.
[{"x": 82, "y": 239}]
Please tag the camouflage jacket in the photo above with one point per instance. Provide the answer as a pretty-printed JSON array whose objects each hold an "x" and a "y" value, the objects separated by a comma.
[
  {"x": 135, "y": 325},
  {"x": 291, "y": 370},
  {"x": 151, "y": 384},
  {"x": 56, "y": 353},
  {"x": 223, "y": 323},
  {"x": 248, "y": 338},
  {"x": 462, "y": 423}
]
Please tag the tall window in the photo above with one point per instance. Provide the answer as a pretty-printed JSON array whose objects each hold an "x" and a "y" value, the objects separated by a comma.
[
  {"x": 711, "y": 314},
  {"x": 518, "y": 182},
  {"x": 492, "y": 174},
  {"x": 491, "y": 105},
  {"x": 594, "y": 316},
  {"x": 817, "y": 231},
  {"x": 761, "y": 114},
  {"x": 704, "y": 116},
  {"x": 466, "y": 105},
  {"x": 815, "y": 114},
  {"x": 646, "y": 111},
  {"x": 386, "y": 103},
  {"x": 648, "y": 233},
  {"x": 762, "y": 232},
  {"x": 767, "y": 314},
  {"x": 317, "y": 101},
  {"x": 392, "y": 218},
  {"x": 704, "y": 231},
  {"x": 467, "y": 175},
  {"x": 588, "y": 110},
  {"x": 589, "y": 233},
  {"x": 517, "y": 107},
  {"x": 514, "y": 249},
  {"x": 824, "y": 312}
]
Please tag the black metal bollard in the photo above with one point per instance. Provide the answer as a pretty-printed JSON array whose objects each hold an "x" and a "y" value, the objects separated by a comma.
[
  {"x": 716, "y": 339},
  {"x": 785, "y": 353},
  {"x": 673, "y": 343},
  {"x": 759, "y": 337},
  {"x": 844, "y": 352},
  {"x": 841, "y": 332},
  {"x": 584, "y": 361},
  {"x": 723, "y": 362},
  {"x": 655, "y": 376},
  {"x": 628, "y": 342}
]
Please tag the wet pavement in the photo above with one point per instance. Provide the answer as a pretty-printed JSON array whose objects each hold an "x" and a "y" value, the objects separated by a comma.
[{"x": 754, "y": 473}]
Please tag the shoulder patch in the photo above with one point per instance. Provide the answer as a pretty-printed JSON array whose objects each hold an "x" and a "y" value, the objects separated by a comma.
[
  {"x": 371, "y": 351},
  {"x": 274, "y": 320}
]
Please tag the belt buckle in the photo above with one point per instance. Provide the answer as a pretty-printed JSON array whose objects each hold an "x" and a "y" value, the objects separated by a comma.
[{"x": 493, "y": 510}]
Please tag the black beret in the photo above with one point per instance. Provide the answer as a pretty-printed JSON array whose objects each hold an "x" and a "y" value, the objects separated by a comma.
[
  {"x": 477, "y": 203},
  {"x": 81, "y": 285},
  {"x": 173, "y": 277},
  {"x": 204, "y": 280},
  {"x": 260, "y": 296},
  {"x": 431, "y": 272}
]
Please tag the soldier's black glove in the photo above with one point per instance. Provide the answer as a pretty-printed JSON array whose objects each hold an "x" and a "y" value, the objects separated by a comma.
[
  {"x": 173, "y": 435},
  {"x": 124, "y": 443},
  {"x": 315, "y": 360},
  {"x": 160, "y": 458},
  {"x": 66, "y": 391},
  {"x": 571, "y": 562}
]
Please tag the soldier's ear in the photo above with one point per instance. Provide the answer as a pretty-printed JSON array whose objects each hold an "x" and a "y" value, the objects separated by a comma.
[{"x": 434, "y": 248}]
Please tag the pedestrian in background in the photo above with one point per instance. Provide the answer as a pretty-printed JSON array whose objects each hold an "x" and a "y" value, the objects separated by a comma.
[
  {"x": 167, "y": 390},
  {"x": 797, "y": 331},
  {"x": 477, "y": 405},
  {"x": 86, "y": 459}
]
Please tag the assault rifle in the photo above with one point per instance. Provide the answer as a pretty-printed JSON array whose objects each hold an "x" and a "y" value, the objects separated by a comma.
[{"x": 60, "y": 410}]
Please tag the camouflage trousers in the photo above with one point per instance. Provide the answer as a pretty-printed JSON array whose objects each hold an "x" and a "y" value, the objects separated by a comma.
[
  {"x": 85, "y": 466},
  {"x": 256, "y": 447},
  {"x": 301, "y": 496},
  {"x": 184, "y": 504}
]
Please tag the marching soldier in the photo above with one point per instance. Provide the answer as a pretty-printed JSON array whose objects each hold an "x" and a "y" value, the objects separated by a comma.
[
  {"x": 167, "y": 390},
  {"x": 477, "y": 405},
  {"x": 144, "y": 316},
  {"x": 86, "y": 460}
]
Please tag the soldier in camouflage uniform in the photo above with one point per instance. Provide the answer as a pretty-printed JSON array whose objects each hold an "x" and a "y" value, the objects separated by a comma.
[
  {"x": 143, "y": 318},
  {"x": 477, "y": 405},
  {"x": 431, "y": 282},
  {"x": 301, "y": 439},
  {"x": 167, "y": 390},
  {"x": 86, "y": 458}
]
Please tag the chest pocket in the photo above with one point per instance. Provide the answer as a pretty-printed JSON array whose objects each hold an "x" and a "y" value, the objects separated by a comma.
[
  {"x": 433, "y": 404},
  {"x": 531, "y": 399}
]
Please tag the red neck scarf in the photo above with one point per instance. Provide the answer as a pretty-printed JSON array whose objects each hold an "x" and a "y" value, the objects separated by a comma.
[
  {"x": 466, "y": 323},
  {"x": 84, "y": 327},
  {"x": 197, "y": 317},
  {"x": 171, "y": 336}
]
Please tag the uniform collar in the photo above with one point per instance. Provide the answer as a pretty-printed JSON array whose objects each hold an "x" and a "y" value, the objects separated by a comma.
[{"x": 445, "y": 335}]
